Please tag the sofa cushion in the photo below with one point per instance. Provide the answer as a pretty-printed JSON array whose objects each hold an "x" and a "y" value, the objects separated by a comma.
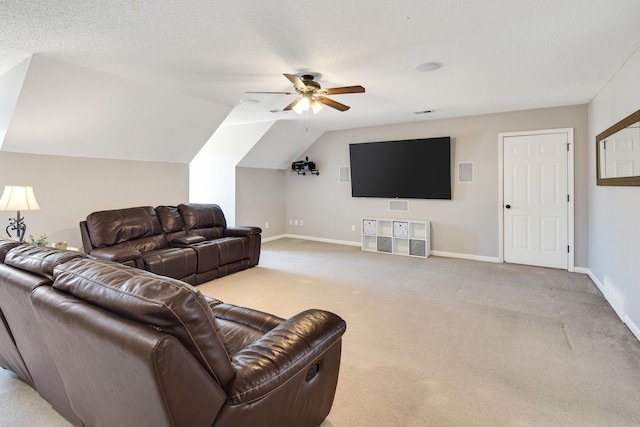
[
  {"x": 113, "y": 227},
  {"x": 170, "y": 219},
  {"x": 160, "y": 302},
  {"x": 6, "y": 245},
  {"x": 206, "y": 220},
  {"x": 174, "y": 228},
  {"x": 39, "y": 260}
]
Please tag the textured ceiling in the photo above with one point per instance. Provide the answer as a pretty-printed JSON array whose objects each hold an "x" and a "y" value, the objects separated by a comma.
[{"x": 497, "y": 55}]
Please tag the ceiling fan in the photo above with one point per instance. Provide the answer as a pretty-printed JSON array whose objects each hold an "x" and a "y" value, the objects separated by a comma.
[{"x": 313, "y": 95}]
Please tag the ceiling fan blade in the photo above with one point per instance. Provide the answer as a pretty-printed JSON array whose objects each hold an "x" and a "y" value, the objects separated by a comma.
[
  {"x": 297, "y": 82},
  {"x": 346, "y": 89},
  {"x": 331, "y": 103},
  {"x": 275, "y": 93},
  {"x": 293, "y": 104}
]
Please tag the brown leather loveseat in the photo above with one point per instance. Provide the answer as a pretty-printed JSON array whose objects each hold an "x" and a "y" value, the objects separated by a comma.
[
  {"x": 111, "y": 345},
  {"x": 189, "y": 242}
]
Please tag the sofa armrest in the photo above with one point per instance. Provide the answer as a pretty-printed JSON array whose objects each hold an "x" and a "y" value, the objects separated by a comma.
[
  {"x": 119, "y": 255},
  {"x": 183, "y": 241},
  {"x": 254, "y": 319},
  {"x": 282, "y": 353},
  {"x": 212, "y": 302},
  {"x": 241, "y": 231}
]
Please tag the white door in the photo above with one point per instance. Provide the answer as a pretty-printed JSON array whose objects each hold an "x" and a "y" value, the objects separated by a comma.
[{"x": 535, "y": 201}]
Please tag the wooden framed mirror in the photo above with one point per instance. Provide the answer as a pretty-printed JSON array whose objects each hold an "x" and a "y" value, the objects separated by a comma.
[{"x": 618, "y": 153}]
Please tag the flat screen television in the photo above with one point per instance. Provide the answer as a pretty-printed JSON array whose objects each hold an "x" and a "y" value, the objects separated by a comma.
[{"x": 411, "y": 169}]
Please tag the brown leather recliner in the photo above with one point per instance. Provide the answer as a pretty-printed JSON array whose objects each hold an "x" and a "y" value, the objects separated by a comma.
[
  {"x": 208, "y": 220},
  {"x": 127, "y": 347}
]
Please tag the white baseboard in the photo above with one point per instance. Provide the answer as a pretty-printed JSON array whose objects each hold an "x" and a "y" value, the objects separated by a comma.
[
  {"x": 272, "y": 238},
  {"x": 581, "y": 270},
  {"x": 315, "y": 239},
  {"x": 465, "y": 256},
  {"x": 595, "y": 280},
  {"x": 613, "y": 295},
  {"x": 632, "y": 327},
  {"x": 617, "y": 301},
  {"x": 358, "y": 244},
  {"x": 323, "y": 240}
]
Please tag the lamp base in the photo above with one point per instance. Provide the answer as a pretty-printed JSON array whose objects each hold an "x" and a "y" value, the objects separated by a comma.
[{"x": 18, "y": 225}]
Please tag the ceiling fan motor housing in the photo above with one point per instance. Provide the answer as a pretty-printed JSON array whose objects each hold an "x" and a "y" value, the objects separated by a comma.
[{"x": 308, "y": 81}]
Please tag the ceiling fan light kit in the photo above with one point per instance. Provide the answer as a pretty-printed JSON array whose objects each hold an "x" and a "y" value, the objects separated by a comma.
[
  {"x": 312, "y": 95},
  {"x": 305, "y": 103},
  {"x": 316, "y": 106},
  {"x": 302, "y": 105}
]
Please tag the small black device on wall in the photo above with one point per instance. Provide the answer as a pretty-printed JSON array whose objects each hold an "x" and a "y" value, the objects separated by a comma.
[{"x": 302, "y": 167}]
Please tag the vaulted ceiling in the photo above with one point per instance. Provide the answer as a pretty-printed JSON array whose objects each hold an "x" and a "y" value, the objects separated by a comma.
[{"x": 154, "y": 79}]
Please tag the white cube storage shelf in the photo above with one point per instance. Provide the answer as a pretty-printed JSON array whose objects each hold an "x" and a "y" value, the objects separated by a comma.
[{"x": 400, "y": 237}]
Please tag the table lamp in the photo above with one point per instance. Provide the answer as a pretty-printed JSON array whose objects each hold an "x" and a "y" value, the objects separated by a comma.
[{"x": 18, "y": 198}]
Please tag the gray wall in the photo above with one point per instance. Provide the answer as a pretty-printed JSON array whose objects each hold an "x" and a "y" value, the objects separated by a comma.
[
  {"x": 613, "y": 211},
  {"x": 467, "y": 225},
  {"x": 260, "y": 199},
  {"x": 69, "y": 188}
]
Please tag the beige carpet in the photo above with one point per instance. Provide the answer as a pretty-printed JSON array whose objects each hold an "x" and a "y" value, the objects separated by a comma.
[{"x": 439, "y": 341}]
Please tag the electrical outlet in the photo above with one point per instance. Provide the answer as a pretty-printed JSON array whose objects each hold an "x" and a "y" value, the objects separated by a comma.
[
  {"x": 353, "y": 228},
  {"x": 266, "y": 225},
  {"x": 301, "y": 223},
  {"x": 295, "y": 222}
]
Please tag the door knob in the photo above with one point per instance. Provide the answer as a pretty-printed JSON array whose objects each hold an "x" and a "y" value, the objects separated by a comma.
[{"x": 508, "y": 206}]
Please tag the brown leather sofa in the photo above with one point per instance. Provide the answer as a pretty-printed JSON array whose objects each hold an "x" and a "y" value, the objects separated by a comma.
[
  {"x": 10, "y": 357},
  {"x": 33, "y": 268},
  {"x": 111, "y": 345},
  {"x": 189, "y": 242}
]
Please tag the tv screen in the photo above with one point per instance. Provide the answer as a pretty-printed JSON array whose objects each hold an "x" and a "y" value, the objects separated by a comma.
[{"x": 411, "y": 169}]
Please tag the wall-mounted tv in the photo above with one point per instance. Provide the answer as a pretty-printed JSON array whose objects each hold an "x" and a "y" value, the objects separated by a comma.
[{"x": 411, "y": 169}]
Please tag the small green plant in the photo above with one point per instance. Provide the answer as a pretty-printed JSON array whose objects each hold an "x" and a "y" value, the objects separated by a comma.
[{"x": 40, "y": 241}]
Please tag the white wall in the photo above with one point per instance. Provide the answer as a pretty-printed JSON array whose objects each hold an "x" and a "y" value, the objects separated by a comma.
[
  {"x": 212, "y": 172},
  {"x": 613, "y": 211},
  {"x": 467, "y": 225},
  {"x": 70, "y": 188},
  {"x": 263, "y": 146}
]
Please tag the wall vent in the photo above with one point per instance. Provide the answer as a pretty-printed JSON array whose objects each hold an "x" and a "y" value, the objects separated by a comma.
[
  {"x": 345, "y": 175},
  {"x": 398, "y": 205}
]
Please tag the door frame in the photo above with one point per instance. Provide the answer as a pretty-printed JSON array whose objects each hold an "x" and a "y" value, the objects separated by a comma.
[{"x": 570, "y": 190}]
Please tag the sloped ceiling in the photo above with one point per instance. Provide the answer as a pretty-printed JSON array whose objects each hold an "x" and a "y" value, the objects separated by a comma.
[
  {"x": 10, "y": 87},
  {"x": 284, "y": 142},
  {"x": 67, "y": 110},
  {"x": 150, "y": 79}
]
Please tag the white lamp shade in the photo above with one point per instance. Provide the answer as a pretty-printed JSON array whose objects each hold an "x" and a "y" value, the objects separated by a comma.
[
  {"x": 303, "y": 105},
  {"x": 316, "y": 106},
  {"x": 18, "y": 198}
]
